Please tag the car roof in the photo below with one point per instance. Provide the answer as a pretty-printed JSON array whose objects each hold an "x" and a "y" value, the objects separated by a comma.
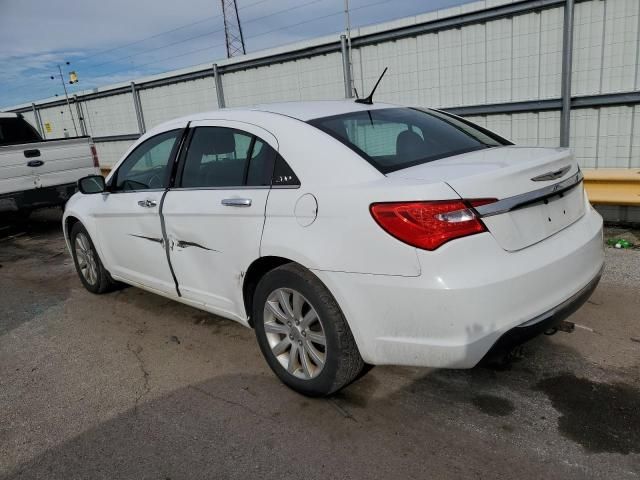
[
  {"x": 317, "y": 109},
  {"x": 303, "y": 111}
]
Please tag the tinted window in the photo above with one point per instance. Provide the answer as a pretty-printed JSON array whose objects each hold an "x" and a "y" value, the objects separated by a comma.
[
  {"x": 261, "y": 164},
  {"x": 17, "y": 130},
  {"x": 395, "y": 138},
  {"x": 217, "y": 157},
  {"x": 224, "y": 157},
  {"x": 283, "y": 174},
  {"x": 147, "y": 166}
]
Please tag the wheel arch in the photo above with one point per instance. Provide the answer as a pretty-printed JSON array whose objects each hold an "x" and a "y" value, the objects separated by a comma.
[
  {"x": 69, "y": 221},
  {"x": 258, "y": 269}
]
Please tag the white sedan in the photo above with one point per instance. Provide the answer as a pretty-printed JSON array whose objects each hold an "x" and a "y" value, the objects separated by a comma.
[{"x": 347, "y": 235}]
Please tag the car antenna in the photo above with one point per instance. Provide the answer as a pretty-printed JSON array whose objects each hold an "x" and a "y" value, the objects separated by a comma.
[{"x": 369, "y": 100}]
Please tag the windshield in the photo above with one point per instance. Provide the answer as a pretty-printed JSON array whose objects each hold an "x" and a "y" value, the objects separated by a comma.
[
  {"x": 15, "y": 130},
  {"x": 396, "y": 138}
]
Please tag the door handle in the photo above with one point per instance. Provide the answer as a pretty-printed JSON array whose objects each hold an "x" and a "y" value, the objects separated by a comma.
[
  {"x": 236, "y": 202},
  {"x": 147, "y": 203},
  {"x": 35, "y": 163}
]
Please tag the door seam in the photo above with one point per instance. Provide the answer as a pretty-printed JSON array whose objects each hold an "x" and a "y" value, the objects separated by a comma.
[{"x": 166, "y": 242}]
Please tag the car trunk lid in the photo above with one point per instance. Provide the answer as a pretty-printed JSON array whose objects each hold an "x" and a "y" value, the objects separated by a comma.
[{"x": 532, "y": 182}]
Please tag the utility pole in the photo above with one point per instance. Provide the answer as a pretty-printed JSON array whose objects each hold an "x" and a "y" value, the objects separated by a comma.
[
  {"x": 232, "y": 29},
  {"x": 349, "y": 58},
  {"x": 66, "y": 96}
]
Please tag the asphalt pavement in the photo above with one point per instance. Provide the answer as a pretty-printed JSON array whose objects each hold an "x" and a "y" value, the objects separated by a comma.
[{"x": 132, "y": 385}]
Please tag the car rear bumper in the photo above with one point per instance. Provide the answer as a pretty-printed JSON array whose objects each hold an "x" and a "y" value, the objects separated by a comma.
[
  {"x": 542, "y": 323},
  {"x": 37, "y": 198},
  {"x": 470, "y": 294}
]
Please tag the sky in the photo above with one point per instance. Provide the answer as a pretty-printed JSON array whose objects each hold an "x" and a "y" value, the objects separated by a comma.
[{"x": 110, "y": 41}]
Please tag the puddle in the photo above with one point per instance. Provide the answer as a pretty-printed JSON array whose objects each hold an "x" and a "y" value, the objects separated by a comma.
[{"x": 602, "y": 417}]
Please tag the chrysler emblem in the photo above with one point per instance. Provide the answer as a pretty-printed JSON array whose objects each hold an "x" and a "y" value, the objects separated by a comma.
[{"x": 551, "y": 175}]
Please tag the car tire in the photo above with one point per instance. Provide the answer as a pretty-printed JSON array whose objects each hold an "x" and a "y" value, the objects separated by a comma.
[
  {"x": 92, "y": 273},
  {"x": 285, "y": 303}
]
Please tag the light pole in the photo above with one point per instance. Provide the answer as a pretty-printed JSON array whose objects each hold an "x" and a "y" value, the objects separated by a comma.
[{"x": 66, "y": 96}]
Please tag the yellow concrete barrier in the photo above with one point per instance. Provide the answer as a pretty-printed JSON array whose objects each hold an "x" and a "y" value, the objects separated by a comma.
[{"x": 613, "y": 186}]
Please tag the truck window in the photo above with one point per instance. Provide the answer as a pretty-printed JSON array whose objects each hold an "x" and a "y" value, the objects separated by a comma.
[{"x": 15, "y": 130}]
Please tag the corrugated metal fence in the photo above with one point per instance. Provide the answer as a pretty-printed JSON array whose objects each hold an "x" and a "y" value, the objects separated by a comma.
[{"x": 497, "y": 62}]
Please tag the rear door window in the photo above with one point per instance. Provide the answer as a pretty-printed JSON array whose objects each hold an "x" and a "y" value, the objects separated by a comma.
[
  {"x": 396, "y": 138},
  {"x": 220, "y": 157},
  {"x": 16, "y": 130}
]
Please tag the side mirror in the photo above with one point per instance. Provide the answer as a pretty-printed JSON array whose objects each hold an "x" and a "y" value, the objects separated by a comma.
[{"x": 91, "y": 184}]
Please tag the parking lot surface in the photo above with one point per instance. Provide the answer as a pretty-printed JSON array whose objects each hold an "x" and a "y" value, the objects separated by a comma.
[{"x": 132, "y": 385}]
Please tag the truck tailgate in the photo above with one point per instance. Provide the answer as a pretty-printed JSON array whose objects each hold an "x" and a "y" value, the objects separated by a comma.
[{"x": 44, "y": 164}]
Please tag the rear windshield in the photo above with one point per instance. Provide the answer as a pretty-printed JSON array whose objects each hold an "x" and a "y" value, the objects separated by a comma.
[
  {"x": 16, "y": 130},
  {"x": 396, "y": 138}
]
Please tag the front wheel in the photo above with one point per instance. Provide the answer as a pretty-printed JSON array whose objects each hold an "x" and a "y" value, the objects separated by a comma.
[
  {"x": 92, "y": 273},
  {"x": 303, "y": 334}
]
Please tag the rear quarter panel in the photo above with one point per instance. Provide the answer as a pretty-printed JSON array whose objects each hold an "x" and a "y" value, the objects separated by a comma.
[{"x": 344, "y": 236}]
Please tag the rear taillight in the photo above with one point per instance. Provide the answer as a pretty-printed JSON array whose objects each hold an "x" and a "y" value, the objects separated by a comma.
[
  {"x": 94, "y": 154},
  {"x": 428, "y": 225}
]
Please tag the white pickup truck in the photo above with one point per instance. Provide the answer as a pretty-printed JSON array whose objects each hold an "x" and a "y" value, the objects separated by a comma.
[{"x": 36, "y": 173}]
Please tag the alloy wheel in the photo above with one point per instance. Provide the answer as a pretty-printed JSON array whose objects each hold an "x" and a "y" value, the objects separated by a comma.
[
  {"x": 86, "y": 259},
  {"x": 295, "y": 333}
]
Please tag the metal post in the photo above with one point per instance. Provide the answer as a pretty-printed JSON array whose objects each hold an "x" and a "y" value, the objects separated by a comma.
[
  {"x": 567, "y": 54},
  {"x": 66, "y": 95},
  {"x": 346, "y": 67},
  {"x": 219, "y": 92},
  {"x": 138, "y": 106},
  {"x": 35, "y": 118},
  {"x": 39, "y": 122},
  {"x": 83, "y": 127}
]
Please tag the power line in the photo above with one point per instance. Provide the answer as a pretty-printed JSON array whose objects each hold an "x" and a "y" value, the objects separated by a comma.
[
  {"x": 100, "y": 53},
  {"x": 201, "y": 35},
  {"x": 190, "y": 52},
  {"x": 220, "y": 44},
  {"x": 206, "y": 19}
]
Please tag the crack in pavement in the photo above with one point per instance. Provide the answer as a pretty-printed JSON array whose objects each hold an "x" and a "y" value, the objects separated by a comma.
[
  {"x": 342, "y": 410},
  {"x": 231, "y": 402},
  {"x": 145, "y": 375}
]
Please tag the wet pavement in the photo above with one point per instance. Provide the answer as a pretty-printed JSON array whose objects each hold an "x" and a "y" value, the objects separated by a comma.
[{"x": 132, "y": 385}]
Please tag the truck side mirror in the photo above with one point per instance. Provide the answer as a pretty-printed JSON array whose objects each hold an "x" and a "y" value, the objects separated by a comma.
[{"x": 91, "y": 184}]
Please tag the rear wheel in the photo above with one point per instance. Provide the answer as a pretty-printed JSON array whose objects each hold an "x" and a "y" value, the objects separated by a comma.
[
  {"x": 303, "y": 334},
  {"x": 92, "y": 273}
]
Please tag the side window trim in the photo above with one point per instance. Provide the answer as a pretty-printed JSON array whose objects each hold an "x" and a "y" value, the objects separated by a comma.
[
  {"x": 114, "y": 178},
  {"x": 181, "y": 160},
  {"x": 295, "y": 178},
  {"x": 245, "y": 176}
]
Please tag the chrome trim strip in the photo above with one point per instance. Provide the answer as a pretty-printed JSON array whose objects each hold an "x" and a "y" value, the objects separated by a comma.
[
  {"x": 241, "y": 187},
  {"x": 518, "y": 201}
]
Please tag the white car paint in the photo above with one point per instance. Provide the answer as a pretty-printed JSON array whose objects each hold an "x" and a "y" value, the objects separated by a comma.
[{"x": 404, "y": 305}]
